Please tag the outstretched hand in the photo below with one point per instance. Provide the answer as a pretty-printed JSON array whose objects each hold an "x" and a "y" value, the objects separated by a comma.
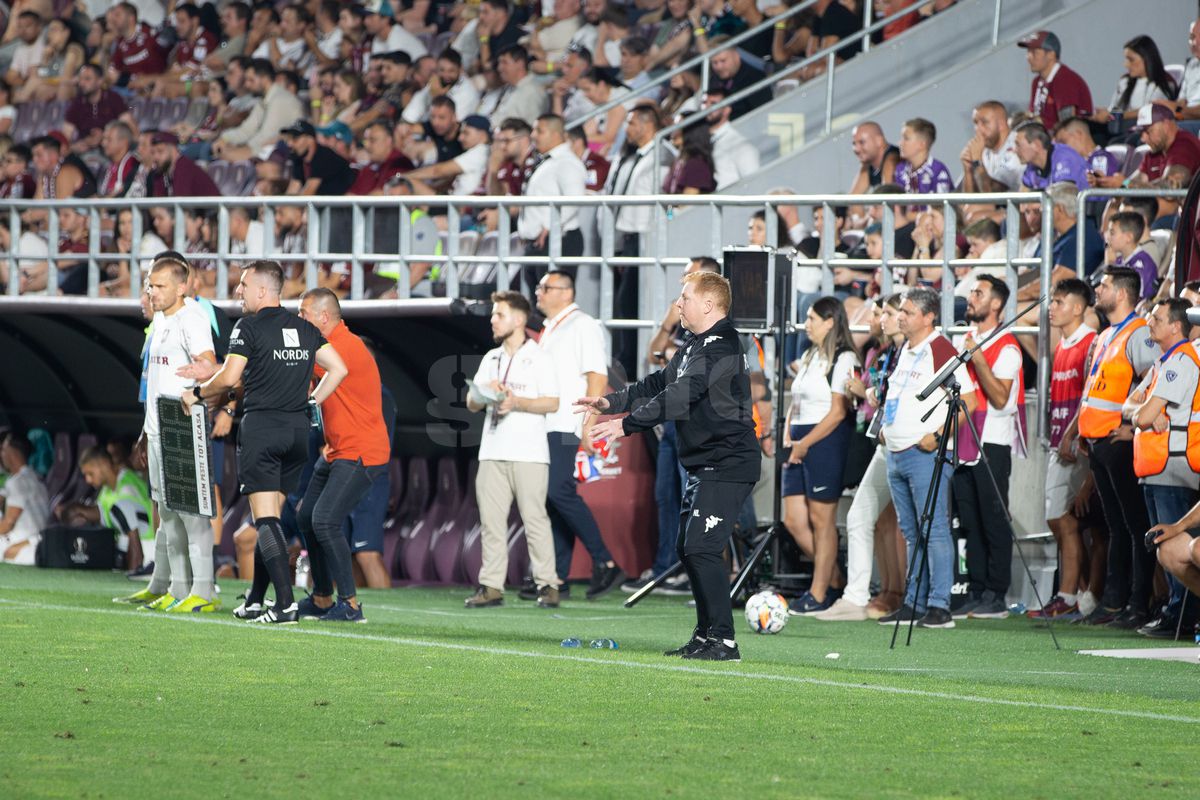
[
  {"x": 199, "y": 370},
  {"x": 591, "y": 407},
  {"x": 610, "y": 430}
]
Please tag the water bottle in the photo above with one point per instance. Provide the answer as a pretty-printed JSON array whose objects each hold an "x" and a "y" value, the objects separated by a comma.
[
  {"x": 303, "y": 571},
  {"x": 603, "y": 644},
  {"x": 1017, "y": 609},
  {"x": 572, "y": 642}
]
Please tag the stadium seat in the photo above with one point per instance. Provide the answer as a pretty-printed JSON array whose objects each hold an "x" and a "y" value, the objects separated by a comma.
[
  {"x": 1162, "y": 238},
  {"x": 441, "y": 42},
  {"x": 241, "y": 179},
  {"x": 137, "y": 108},
  {"x": 64, "y": 464},
  {"x": 488, "y": 245},
  {"x": 417, "y": 522},
  {"x": 53, "y": 116},
  {"x": 218, "y": 170},
  {"x": 472, "y": 549},
  {"x": 445, "y": 545},
  {"x": 851, "y": 239},
  {"x": 1120, "y": 152},
  {"x": 153, "y": 114},
  {"x": 391, "y": 524},
  {"x": 22, "y": 129},
  {"x": 177, "y": 110},
  {"x": 76, "y": 489},
  {"x": 1135, "y": 158},
  {"x": 1176, "y": 73},
  {"x": 467, "y": 242}
]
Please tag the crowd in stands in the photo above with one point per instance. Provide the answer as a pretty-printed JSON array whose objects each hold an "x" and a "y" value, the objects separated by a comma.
[{"x": 326, "y": 97}]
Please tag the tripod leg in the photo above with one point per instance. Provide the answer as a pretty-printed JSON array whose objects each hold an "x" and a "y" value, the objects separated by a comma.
[
  {"x": 637, "y": 596},
  {"x": 752, "y": 561}
]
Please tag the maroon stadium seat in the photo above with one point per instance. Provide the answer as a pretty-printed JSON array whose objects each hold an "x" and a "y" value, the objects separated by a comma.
[
  {"x": 472, "y": 549},
  {"x": 64, "y": 464},
  {"x": 445, "y": 543},
  {"x": 416, "y": 518},
  {"x": 1135, "y": 158}
]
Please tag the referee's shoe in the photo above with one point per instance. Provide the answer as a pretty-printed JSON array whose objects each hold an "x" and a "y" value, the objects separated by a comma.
[{"x": 715, "y": 650}]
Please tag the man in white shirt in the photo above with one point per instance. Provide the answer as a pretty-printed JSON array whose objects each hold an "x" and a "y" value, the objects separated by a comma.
[
  {"x": 258, "y": 133},
  {"x": 559, "y": 173},
  {"x": 181, "y": 334},
  {"x": 574, "y": 343},
  {"x": 999, "y": 417},
  {"x": 289, "y": 50},
  {"x": 516, "y": 385},
  {"x": 26, "y": 504},
  {"x": 448, "y": 81},
  {"x": 733, "y": 156},
  {"x": 27, "y": 56},
  {"x": 386, "y": 36},
  {"x": 912, "y": 440},
  {"x": 465, "y": 171},
  {"x": 989, "y": 160},
  {"x": 523, "y": 96}
]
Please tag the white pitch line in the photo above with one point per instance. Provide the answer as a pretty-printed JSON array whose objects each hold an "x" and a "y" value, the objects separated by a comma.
[
  {"x": 494, "y": 613},
  {"x": 612, "y": 662}
]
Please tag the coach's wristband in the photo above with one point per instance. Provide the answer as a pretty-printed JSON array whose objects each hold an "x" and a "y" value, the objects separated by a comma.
[{"x": 196, "y": 392}]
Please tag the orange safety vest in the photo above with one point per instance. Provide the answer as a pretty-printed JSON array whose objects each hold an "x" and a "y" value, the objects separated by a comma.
[
  {"x": 1109, "y": 382},
  {"x": 1150, "y": 448},
  {"x": 762, "y": 364}
]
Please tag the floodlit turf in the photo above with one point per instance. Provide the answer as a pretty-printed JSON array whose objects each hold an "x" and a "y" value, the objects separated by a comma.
[{"x": 430, "y": 700}]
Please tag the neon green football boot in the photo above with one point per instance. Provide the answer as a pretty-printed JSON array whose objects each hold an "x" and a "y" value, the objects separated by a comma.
[
  {"x": 138, "y": 598},
  {"x": 194, "y": 604},
  {"x": 161, "y": 604}
]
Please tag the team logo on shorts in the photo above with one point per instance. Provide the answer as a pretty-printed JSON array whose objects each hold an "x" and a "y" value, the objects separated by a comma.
[{"x": 291, "y": 337}]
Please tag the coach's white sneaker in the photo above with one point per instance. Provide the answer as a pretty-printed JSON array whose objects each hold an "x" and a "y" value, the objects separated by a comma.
[{"x": 842, "y": 611}]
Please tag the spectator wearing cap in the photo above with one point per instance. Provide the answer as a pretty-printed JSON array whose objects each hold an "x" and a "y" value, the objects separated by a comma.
[
  {"x": 386, "y": 36},
  {"x": 338, "y": 137},
  {"x": 548, "y": 41},
  {"x": 559, "y": 173},
  {"x": 176, "y": 175},
  {"x": 449, "y": 81},
  {"x": 1046, "y": 162},
  {"x": 918, "y": 171},
  {"x": 92, "y": 108},
  {"x": 1169, "y": 146},
  {"x": 27, "y": 56},
  {"x": 566, "y": 98},
  {"x": 289, "y": 50},
  {"x": 733, "y": 75},
  {"x": 258, "y": 133},
  {"x": 733, "y": 156},
  {"x": 385, "y": 161},
  {"x": 466, "y": 171},
  {"x": 316, "y": 170},
  {"x": 522, "y": 97},
  {"x": 136, "y": 51},
  {"x": 1076, "y": 134},
  {"x": 497, "y": 31},
  {"x": 1057, "y": 91},
  {"x": 394, "y": 69}
]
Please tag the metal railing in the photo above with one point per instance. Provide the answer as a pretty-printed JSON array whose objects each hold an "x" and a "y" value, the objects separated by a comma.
[
  {"x": 1082, "y": 216},
  {"x": 499, "y": 270}
]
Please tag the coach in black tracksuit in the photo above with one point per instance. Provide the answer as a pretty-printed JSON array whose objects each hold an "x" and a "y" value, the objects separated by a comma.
[{"x": 705, "y": 389}]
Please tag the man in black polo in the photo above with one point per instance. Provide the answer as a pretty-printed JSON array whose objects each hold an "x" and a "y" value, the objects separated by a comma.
[
  {"x": 271, "y": 352},
  {"x": 316, "y": 170},
  {"x": 705, "y": 389}
]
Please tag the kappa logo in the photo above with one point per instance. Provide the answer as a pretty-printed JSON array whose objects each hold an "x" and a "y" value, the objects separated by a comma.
[
  {"x": 709, "y": 340},
  {"x": 291, "y": 337},
  {"x": 710, "y": 523}
]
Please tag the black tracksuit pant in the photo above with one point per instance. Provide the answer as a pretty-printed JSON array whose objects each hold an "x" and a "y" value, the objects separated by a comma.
[{"x": 710, "y": 509}]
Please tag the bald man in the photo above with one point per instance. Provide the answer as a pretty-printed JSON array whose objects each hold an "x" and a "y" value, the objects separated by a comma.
[{"x": 878, "y": 158}]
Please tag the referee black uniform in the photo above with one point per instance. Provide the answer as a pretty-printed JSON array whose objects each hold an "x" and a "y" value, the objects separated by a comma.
[
  {"x": 280, "y": 350},
  {"x": 705, "y": 389}
]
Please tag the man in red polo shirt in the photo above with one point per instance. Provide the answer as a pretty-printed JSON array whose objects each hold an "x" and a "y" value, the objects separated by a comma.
[
  {"x": 177, "y": 175},
  {"x": 1169, "y": 146},
  {"x": 186, "y": 62},
  {"x": 135, "y": 51},
  {"x": 1057, "y": 92},
  {"x": 92, "y": 108},
  {"x": 385, "y": 160},
  {"x": 356, "y": 453}
]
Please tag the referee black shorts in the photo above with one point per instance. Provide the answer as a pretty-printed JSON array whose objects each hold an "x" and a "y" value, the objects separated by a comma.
[{"x": 272, "y": 452}]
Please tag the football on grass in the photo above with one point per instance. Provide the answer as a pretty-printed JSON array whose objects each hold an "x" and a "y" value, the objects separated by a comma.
[{"x": 767, "y": 612}]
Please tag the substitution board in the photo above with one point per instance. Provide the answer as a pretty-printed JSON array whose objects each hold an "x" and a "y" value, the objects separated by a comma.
[{"x": 187, "y": 479}]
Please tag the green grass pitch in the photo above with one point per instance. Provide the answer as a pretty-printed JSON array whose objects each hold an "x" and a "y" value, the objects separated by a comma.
[{"x": 429, "y": 700}]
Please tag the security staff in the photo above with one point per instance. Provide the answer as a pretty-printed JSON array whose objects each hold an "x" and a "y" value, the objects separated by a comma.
[
  {"x": 705, "y": 389},
  {"x": 1120, "y": 356},
  {"x": 272, "y": 353}
]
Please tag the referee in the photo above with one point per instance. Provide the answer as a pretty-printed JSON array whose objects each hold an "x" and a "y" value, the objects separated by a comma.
[
  {"x": 705, "y": 389},
  {"x": 272, "y": 353}
]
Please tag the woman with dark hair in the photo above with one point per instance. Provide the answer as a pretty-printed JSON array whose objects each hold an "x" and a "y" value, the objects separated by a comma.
[
  {"x": 820, "y": 420},
  {"x": 756, "y": 230},
  {"x": 601, "y": 86},
  {"x": 1145, "y": 80},
  {"x": 693, "y": 171}
]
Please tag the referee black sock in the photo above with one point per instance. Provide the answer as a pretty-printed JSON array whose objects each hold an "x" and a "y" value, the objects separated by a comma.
[
  {"x": 262, "y": 579},
  {"x": 274, "y": 552}
]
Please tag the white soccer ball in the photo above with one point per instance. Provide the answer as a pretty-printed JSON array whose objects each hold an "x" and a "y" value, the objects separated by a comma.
[{"x": 767, "y": 612}]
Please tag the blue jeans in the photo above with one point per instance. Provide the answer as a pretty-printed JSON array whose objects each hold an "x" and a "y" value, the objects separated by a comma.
[
  {"x": 909, "y": 474},
  {"x": 669, "y": 479},
  {"x": 1168, "y": 504}
]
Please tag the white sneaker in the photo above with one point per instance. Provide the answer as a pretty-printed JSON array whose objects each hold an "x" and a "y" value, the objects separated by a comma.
[
  {"x": 1087, "y": 603},
  {"x": 842, "y": 611}
]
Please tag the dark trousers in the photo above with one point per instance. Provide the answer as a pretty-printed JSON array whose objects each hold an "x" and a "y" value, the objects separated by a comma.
[
  {"x": 572, "y": 245},
  {"x": 1130, "y": 566},
  {"x": 710, "y": 509},
  {"x": 335, "y": 489},
  {"x": 669, "y": 479},
  {"x": 981, "y": 513},
  {"x": 625, "y": 305},
  {"x": 570, "y": 518}
]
